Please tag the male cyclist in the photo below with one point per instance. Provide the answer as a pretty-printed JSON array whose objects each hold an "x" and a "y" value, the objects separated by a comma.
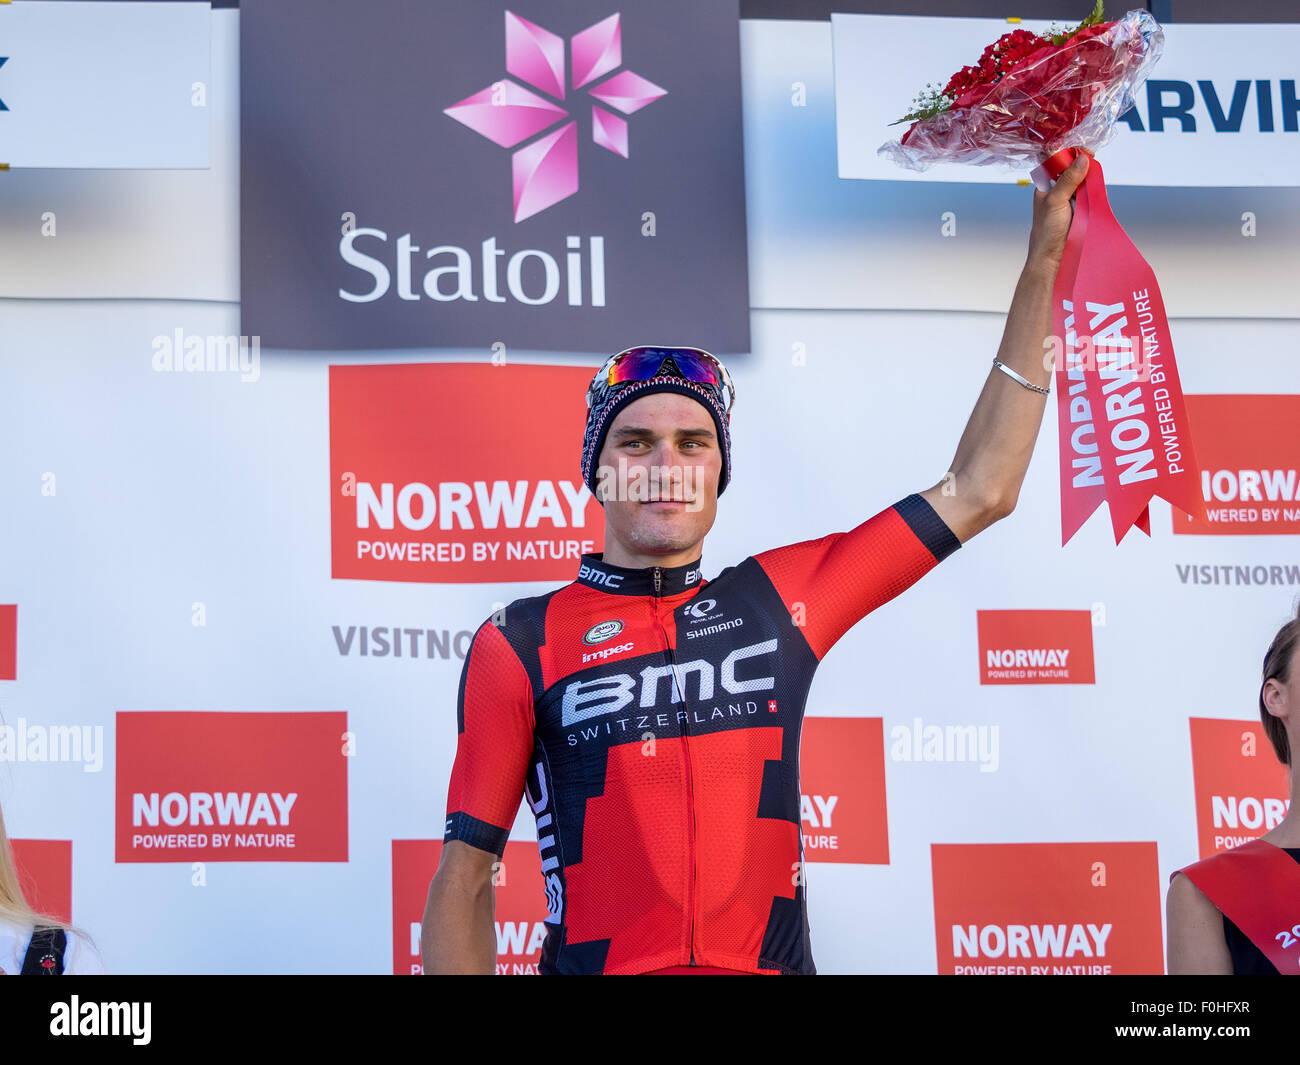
[{"x": 652, "y": 717}]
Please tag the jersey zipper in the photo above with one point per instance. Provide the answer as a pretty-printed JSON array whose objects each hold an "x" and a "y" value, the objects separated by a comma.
[{"x": 686, "y": 756}]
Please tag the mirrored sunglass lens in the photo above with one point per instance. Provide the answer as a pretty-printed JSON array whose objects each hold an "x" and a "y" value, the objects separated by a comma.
[{"x": 640, "y": 366}]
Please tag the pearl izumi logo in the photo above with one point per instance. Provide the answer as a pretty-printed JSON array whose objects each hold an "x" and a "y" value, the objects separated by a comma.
[
  {"x": 1242, "y": 790},
  {"x": 545, "y": 170},
  {"x": 456, "y": 497},
  {"x": 701, "y": 610},
  {"x": 1047, "y": 909},
  {"x": 602, "y": 632},
  {"x": 213, "y": 786}
]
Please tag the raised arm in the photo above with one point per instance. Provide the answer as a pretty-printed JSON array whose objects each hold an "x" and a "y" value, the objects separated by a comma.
[{"x": 993, "y": 454}]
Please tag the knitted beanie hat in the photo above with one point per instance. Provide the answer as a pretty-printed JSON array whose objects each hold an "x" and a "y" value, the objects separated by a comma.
[{"x": 605, "y": 408}]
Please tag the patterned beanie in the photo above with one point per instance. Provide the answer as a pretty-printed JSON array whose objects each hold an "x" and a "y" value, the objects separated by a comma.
[{"x": 602, "y": 413}]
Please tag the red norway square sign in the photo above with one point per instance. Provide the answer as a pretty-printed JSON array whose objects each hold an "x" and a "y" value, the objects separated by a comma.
[
  {"x": 1249, "y": 451},
  {"x": 223, "y": 786},
  {"x": 842, "y": 790},
  {"x": 8, "y": 641},
  {"x": 1035, "y": 646},
  {"x": 1047, "y": 909},
  {"x": 1242, "y": 790},
  {"x": 45, "y": 875},
  {"x": 520, "y": 905},
  {"x": 459, "y": 472}
]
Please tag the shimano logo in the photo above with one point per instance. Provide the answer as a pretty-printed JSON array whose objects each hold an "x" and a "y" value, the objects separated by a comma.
[
  {"x": 585, "y": 699},
  {"x": 594, "y": 656},
  {"x": 709, "y": 630},
  {"x": 599, "y": 576}
]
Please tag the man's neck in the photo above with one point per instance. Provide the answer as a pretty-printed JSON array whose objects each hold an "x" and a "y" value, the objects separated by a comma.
[{"x": 618, "y": 555}]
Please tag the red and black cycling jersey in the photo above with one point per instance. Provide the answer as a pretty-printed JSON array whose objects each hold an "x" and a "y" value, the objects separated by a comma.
[{"x": 652, "y": 719}]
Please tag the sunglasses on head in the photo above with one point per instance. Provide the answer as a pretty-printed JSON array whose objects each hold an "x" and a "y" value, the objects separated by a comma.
[{"x": 644, "y": 363}]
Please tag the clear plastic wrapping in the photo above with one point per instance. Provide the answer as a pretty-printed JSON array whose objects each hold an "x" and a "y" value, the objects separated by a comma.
[{"x": 1056, "y": 97}]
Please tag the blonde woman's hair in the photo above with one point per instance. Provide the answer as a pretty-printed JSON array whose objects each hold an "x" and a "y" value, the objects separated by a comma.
[
  {"x": 14, "y": 906},
  {"x": 13, "y": 903}
]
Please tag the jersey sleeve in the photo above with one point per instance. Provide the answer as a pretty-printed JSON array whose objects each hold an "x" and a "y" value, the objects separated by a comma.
[
  {"x": 494, "y": 716},
  {"x": 831, "y": 584}
]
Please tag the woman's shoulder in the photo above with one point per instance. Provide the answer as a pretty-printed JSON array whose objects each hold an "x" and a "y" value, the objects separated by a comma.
[
  {"x": 80, "y": 957},
  {"x": 14, "y": 937}
]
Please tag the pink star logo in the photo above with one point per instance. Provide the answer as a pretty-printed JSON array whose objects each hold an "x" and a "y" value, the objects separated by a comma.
[{"x": 546, "y": 170}]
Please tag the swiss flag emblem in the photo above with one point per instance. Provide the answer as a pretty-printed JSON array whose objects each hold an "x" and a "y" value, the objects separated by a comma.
[{"x": 771, "y": 706}]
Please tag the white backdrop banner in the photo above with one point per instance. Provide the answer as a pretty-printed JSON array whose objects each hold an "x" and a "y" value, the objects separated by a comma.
[{"x": 105, "y": 85}]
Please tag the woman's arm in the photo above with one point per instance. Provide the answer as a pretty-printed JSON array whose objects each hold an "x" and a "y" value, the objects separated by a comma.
[{"x": 1196, "y": 943}]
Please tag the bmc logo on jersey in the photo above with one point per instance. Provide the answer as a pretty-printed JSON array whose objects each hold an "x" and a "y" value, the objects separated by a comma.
[
  {"x": 599, "y": 576},
  {"x": 602, "y": 632},
  {"x": 585, "y": 699}
]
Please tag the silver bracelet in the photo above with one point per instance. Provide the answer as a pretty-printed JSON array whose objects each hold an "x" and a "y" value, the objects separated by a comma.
[{"x": 1016, "y": 377}]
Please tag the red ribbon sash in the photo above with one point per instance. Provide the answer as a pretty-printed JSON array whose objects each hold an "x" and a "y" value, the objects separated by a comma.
[
  {"x": 1257, "y": 885},
  {"x": 1123, "y": 423}
]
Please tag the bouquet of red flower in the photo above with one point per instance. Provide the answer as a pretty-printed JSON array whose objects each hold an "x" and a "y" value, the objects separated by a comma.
[
  {"x": 1031, "y": 95},
  {"x": 1041, "y": 100}
]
